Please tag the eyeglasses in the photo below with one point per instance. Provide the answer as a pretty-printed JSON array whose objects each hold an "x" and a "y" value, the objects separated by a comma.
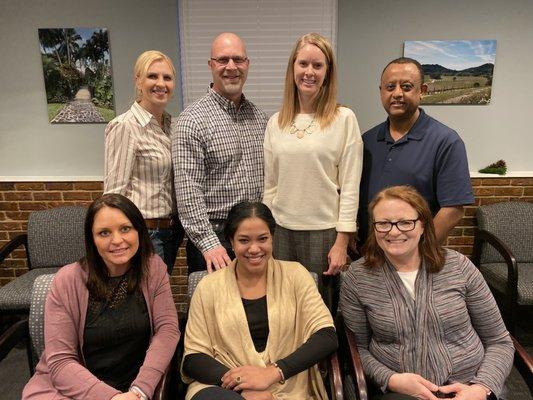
[
  {"x": 225, "y": 60},
  {"x": 404, "y": 225}
]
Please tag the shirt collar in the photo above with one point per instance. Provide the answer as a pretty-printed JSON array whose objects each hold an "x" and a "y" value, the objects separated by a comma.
[
  {"x": 225, "y": 103},
  {"x": 145, "y": 117},
  {"x": 415, "y": 133}
]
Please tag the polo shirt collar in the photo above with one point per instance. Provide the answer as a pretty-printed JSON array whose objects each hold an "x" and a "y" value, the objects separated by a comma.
[
  {"x": 415, "y": 133},
  {"x": 226, "y": 104}
]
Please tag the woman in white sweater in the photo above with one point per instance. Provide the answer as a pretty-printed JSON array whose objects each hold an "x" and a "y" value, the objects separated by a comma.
[{"x": 313, "y": 156}]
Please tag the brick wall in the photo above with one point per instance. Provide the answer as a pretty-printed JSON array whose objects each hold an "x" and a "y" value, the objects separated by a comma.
[
  {"x": 487, "y": 191},
  {"x": 18, "y": 199}
]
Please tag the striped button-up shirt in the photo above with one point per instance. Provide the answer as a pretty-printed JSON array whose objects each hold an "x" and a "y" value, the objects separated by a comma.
[
  {"x": 138, "y": 163},
  {"x": 217, "y": 153}
]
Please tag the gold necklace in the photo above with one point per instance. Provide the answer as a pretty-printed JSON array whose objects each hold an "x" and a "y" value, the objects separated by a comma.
[{"x": 300, "y": 133}]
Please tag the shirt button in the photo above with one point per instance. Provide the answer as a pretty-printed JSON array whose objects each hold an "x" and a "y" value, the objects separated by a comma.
[{"x": 390, "y": 159}]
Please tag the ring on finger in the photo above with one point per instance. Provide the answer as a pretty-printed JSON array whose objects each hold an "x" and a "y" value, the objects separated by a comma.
[{"x": 238, "y": 379}]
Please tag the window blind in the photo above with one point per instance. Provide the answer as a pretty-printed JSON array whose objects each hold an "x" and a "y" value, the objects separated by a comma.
[{"x": 269, "y": 29}]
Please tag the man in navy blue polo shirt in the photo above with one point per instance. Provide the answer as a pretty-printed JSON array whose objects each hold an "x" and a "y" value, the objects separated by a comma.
[{"x": 412, "y": 148}]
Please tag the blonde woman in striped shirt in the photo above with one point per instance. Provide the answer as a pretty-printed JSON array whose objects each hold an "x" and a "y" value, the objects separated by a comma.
[
  {"x": 425, "y": 321},
  {"x": 137, "y": 153}
]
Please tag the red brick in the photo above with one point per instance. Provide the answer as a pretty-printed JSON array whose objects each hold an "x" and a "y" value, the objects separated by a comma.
[
  {"x": 83, "y": 203},
  {"x": 496, "y": 182},
  {"x": 4, "y": 236},
  {"x": 53, "y": 204},
  {"x": 47, "y": 195},
  {"x": 467, "y": 221},
  {"x": 522, "y": 181},
  {"x": 528, "y": 191},
  {"x": 95, "y": 195},
  {"x": 508, "y": 191},
  {"x": 460, "y": 240},
  {"x": 32, "y": 205},
  {"x": 20, "y": 271},
  {"x": 18, "y": 196},
  {"x": 492, "y": 200},
  {"x": 88, "y": 186},
  {"x": 4, "y": 281},
  {"x": 476, "y": 181},
  {"x": 14, "y": 234},
  {"x": 59, "y": 186},
  {"x": 3, "y": 216},
  {"x": 29, "y": 186},
  {"x": 17, "y": 215},
  {"x": 8, "y": 206},
  {"x": 456, "y": 232},
  {"x": 7, "y": 272},
  {"x": 76, "y": 195},
  {"x": 10, "y": 226},
  {"x": 483, "y": 191},
  {"x": 470, "y": 211},
  {"x": 15, "y": 264},
  {"x": 469, "y": 231},
  {"x": 7, "y": 186}
]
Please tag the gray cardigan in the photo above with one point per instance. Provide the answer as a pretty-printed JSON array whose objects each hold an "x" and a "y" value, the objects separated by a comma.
[{"x": 453, "y": 331}]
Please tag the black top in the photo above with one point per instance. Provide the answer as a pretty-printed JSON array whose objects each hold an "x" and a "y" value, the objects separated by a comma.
[
  {"x": 116, "y": 337},
  {"x": 205, "y": 369}
]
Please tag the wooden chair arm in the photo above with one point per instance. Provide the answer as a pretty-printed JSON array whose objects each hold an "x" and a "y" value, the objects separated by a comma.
[
  {"x": 9, "y": 247},
  {"x": 13, "y": 335},
  {"x": 335, "y": 377},
  {"x": 481, "y": 236},
  {"x": 524, "y": 364}
]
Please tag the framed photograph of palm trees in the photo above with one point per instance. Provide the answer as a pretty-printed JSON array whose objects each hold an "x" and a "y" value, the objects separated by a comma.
[{"x": 77, "y": 75}]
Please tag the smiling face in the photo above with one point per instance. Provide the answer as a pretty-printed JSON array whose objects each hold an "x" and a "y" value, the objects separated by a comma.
[
  {"x": 310, "y": 70},
  {"x": 229, "y": 79},
  {"x": 252, "y": 244},
  {"x": 156, "y": 86},
  {"x": 401, "y": 91},
  {"x": 401, "y": 248},
  {"x": 115, "y": 238}
]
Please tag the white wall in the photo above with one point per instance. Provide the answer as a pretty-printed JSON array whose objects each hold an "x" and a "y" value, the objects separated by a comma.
[
  {"x": 371, "y": 33},
  {"x": 29, "y": 144}
]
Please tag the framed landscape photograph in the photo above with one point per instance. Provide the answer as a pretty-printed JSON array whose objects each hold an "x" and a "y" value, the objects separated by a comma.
[
  {"x": 455, "y": 71},
  {"x": 77, "y": 75}
]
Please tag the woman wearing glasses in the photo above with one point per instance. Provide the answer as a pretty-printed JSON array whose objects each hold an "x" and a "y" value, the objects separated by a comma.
[
  {"x": 313, "y": 155},
  {"x": 137, "y": 153},
  {"x": 425, "y": 321}
]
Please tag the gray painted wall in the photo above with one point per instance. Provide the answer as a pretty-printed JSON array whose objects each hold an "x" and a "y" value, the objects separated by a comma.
[
  {"x": 29, "y": 144},
  {"x": 370, "y": 34}
]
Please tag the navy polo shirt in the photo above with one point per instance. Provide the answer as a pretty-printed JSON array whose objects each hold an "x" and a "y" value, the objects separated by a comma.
[{"x": 431, "y": 157}]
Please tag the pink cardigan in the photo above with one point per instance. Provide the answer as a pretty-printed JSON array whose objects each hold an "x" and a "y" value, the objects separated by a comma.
[{"x": 61, "y": 374}]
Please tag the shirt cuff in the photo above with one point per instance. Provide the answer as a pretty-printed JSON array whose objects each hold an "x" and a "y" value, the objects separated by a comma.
[
  {"x": 208, "y": 243},
  {"x": 344, "y": 226}
]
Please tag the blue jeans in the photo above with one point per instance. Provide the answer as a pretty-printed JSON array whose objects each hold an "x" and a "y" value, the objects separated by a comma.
[{"x": 166, "y": 242}]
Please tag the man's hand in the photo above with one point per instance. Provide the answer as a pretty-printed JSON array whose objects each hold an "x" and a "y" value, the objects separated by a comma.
[
  {"x": 250, "y": 377},
  {"x": 465, "y": 392},
  {"x": 412, "y": 385},
  {"x": 216, "y": 258}
]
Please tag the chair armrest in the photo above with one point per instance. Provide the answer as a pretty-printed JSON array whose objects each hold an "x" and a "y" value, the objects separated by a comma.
[
  {"x": 17, "y": 241},
  {"x": 13, "y": 335},
  {"x": 512, "y": 268},
  {"x": 523, "y": 363},
  {"x": 335, "y": 377}
]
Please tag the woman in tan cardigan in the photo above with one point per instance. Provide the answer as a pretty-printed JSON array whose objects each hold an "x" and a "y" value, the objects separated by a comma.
[{"x": 257, "y": 328}]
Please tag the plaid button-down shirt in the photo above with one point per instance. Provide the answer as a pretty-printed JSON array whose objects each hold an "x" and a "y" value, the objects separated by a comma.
[{"x": 217, "y": 153}]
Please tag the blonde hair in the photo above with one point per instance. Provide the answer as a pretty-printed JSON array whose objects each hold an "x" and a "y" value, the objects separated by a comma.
[
  {"x": 326, "y": 100},
  {"x": 143, "y": 63},
  {"x": 429, "y": 248}
]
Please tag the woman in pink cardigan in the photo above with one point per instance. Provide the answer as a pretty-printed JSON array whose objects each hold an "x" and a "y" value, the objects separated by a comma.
[{"x": 111, "y": 326}]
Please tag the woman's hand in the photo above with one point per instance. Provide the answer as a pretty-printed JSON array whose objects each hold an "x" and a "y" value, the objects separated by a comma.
[
  {"x": 125, "y": 396},
  {"x": 465, "y": 392},
  {"x": 250, "y": 377},
  {"x": 412, "y": 385},
  {"x": 338, "y": 254},
  {"x": 257, "y": 395}
]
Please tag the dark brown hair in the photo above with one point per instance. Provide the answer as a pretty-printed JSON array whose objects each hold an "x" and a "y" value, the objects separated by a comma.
[
  {"x": 430, "y": 250},
  {"x": 98, "y": 272}
]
